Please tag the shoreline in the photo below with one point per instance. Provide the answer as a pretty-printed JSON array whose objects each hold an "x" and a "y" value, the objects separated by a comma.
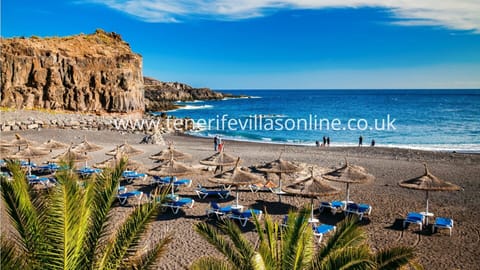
[{"x": 341, "y": 145}]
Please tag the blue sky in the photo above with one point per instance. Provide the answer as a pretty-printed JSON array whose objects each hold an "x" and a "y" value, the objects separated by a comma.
[{"x": 265, "y": 44}]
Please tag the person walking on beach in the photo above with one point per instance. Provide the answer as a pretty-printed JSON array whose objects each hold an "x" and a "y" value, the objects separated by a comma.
[
  {"x": 215, "y": 143},
  {"x": 373, "y": 143},
  {"x": 219, "y": 144},
  {"x": 360, "y": 140},
  {"x": 324, "y": 141},
  {"x": 328, "y": 141},
  {"x": 317, "y": 143}
]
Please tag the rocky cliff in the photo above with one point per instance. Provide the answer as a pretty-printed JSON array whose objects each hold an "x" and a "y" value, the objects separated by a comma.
[
  {"x": 89, "y": 73},
  {"x": 160, "y": 96}
]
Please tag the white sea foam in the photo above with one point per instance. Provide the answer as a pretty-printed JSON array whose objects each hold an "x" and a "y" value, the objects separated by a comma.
[{"x": 192, "y": 107}]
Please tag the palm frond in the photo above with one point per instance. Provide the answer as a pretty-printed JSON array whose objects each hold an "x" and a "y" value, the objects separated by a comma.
[
  {"x": 211, "y": 263},
  {"x": 212, "y": 235},
  {"x": 394, "y": 258},
  {"x": 145, "y": 261},
  {"x": 23, "y": 214},
  {"x": 347, "y": 258},
  {"x": 243, "y": 245},
  {"x": 297, "y": 249},
  {"x": 128, "y": 236},
  {"x": 268, "y": 242},
  {"x": 348, "y": 234},
  {"x": 66, "y": 225},
  {"x": 10, "y": 258},
  {"x": 100, "y": 195}
]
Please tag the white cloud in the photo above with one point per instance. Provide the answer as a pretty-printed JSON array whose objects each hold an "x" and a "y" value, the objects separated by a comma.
[{"x": 453, "y": 14}]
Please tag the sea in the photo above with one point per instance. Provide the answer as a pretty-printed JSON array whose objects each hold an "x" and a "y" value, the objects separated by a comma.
[{"x": 438, "y": 120}]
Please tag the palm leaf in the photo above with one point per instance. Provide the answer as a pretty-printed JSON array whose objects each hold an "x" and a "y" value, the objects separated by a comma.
[
  {"x": 101, "y": 194},
  {"x": 10, "y": 259},
  {"x": 348, "y": 234},
  {"x": 211, "y": 263},
  {"x": 352, "y": 258},
  {"x": 66, "y": 225},
  {"x": 297, "y": 241},
  {"x": 147, "y": 260},
  {"x": 213, "y": 236},
  {"x": 243, "y": 246},
  {"x": 394, "y": 258},
  {"x": 23, "y": 215},
  {"x": 128, "y": 235}
]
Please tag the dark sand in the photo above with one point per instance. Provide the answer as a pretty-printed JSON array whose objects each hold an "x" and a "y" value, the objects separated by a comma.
[{"x": 390, "y": 202}]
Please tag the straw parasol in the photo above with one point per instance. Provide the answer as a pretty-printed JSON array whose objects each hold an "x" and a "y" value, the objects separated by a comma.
[
  {"x": 19, "y": 141},
  {"x": 4, "y": 151},
  {"x": 219, "y": 159},
  {"x": 428, "y": 182},
  {"x": 236, "y": 177},
  {"x": 29, "y": 153},
  {"x": 113, "y": 161},
  {"x": 311, "y": 187},
  {"x": 349, "y": 174},
  {"x": 171, "y": 168},
  {"x": 126, "y": 149},
  {"x": 53, "y": 145},
  {"x": 279, "y": 166},
  {"x": 169, "y": 153},
  {"x": 72, "y": 155},
  {"x": 86, "y": 146}
]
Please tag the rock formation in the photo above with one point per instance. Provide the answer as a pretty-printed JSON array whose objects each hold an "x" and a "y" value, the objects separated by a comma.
[
  {"x": 88, "y": 73},
  {"x": 160, "y": 96}
]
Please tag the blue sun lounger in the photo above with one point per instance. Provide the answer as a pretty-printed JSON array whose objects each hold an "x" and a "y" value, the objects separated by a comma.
[
  {"x": 180, "y": 203},
  {"x": 88, "y": 171},
  {"x": 34, "y": 179},
  {"x": 245, "y": 216},
  {"x": 443, "y": 223},
  {"x": 414, "y": 217},
  {"x": 321, "y": 230},
  {"x": 130, "y": 176},
  {"x": 358, "y": 209},
  {"x": 203, "y": 192},
  {"x": 219, "y": 211},
  {"x": 166, "y": 181},
  {"x": 123, "y": 195},
  {"x": 47, "y": 168},
  {"x": 334, "y": 206}
]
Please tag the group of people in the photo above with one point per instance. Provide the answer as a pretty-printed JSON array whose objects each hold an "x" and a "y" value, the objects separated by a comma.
[
  {"x": 326, "y": 142},
  {"x": 360, "y": 141},
  {"x": 217, "y": 143}
]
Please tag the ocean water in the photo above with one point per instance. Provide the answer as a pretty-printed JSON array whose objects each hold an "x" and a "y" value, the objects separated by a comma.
[{"x": 444, "y": 120}]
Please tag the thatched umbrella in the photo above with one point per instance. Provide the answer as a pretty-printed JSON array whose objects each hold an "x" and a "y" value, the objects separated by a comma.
[
  {"x": 72, "y": 155},
  {"x": 125, "y": 149},
  {"x": 219, "y": 160},
  {"x": 29, "y": 153},
  {"x": 86, "y": 146},
  {"x": 428, "y": 182},
  {"x": 169, "y": 153},
  {"x": 19, "y": 141},
  {"x": 349, "y": 174},
  {"x": 113, "y": 161},
  {"x": 4, "y": 151},
  {"x": 279, "y": 166},
  {"x": 311, "y": 187},
  {"x": 53, "y": 145},
  {"x": 171, "y": 168},
  {"x": 237, "y": 177}
]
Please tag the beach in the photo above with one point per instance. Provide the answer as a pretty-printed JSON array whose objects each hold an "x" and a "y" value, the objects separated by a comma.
[{"x": 390, "y": 202}]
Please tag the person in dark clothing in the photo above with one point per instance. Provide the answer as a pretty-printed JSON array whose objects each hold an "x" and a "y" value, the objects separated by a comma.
[
  {"x": 360, "y": 141},
  {"x": 215, "y": 143},
  {"x": 328, "y": 141},
  {"x": 317, "y": 143},
  {"x": 324, "y": 141},
  {"x": 373, "y": 143}
]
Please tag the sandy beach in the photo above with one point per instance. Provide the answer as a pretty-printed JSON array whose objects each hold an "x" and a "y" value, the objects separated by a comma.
[{"x": 389, "y": 201}]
